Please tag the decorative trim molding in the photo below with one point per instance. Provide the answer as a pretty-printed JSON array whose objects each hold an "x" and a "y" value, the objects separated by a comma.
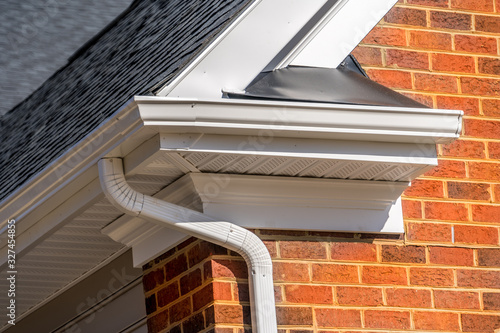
[{"x": 268, "y": 202}]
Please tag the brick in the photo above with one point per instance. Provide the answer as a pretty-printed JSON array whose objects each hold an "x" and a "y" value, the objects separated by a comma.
[
  {"x": 449, "y": 299},
  {"x": 429, "y": 232},
  {"x": 190, "y": 281},
  {"x": 438, "y": 83},
  {"x": 491, "y": 301},
  {"x": 272, "y": 247},
  {"x": 484, "y": 213},
  {"x": 488, "y": 23},
  {"x": 484, "y": 6},
  {"x": 195, "y": 323},
  {"x": 489, "y": 66},
  {"x": 158, "y": 322},
  {"x": 446, "y": 211},
  {"x": 453, "y": 63},
  {"x": 225, "y": 268},
  {"x": 407, "y": 16},
  {"x": 476, "y": 44},
  {"x": 421, "y": 98},
  {"x": 469, "y": 234},
  {"x": 425, "y": 188},
  {"x": 491, "y": 107},
  {"x": 391, "y": 78},
  {"x": 407, "y": 59},
  {"x": 335, "y": 273},
  {"x": 470, "y": 106},
  {"x": 433, "y": 277},
  {"x": 439, "y": 321},
  {"x": 338, "y": 318},
  {"x": 384, "y": 275},
  {"x": 242, "y": 292},
  {"x": 175, "y": 267},
  {"x": 454, "y": 256},
  {"x": 302, "y": 250},
  {"x": 496, "y": 191},
  {"x": 430, "y": 40},
  {"x": 387, "y": 319},
  {"x": 368, "y": 55},
  {"x": 283, "y": 271},
  {"x": 386, "y": 36},
  {"x": 480, "y": 86},
  {"x": 309, "y": 294},
  {"x": 411, "y": 298},
  {"x": 433, "y": 3},
  {"x": 231, "y": 314},
  {"x": 211, "y": 292},
  {"x": 168, "y": 294},
  {"x": 405, "y": 254},
  {"x": 359, "y": 296},
  {"x": 412, "y": 209},
  {"x": 203, "y": 250},
  {"x": 176, "y": 329},
  {"x": 187, "y": 242},
  {"x": 353, "y": 251},
  {"x": 151, "y": 304},
  {"x": 470, "y": 191},
  {"x": 465, "y": 148},
  {"x": 180, "y": 310},
  {"x": 480, "y": 128},
  {"x": 488, "y": 257},
  {"x": 294, "y": 316},
  {"x": 451, "y": 20},
  {"x": 480, "y": 323},
  {"x": 484, "y": 171},
  {"x": 153, "y": 279},
  {"x": 478, "y": 278}
]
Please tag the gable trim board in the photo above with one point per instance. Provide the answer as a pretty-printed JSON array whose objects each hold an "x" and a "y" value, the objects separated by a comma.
[{"x": 285, "y": 33}]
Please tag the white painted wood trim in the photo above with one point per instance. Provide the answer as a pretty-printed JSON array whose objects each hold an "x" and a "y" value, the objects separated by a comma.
[
  {"x": 240, "y": 52},
  {"x": 339, "y": 33}
]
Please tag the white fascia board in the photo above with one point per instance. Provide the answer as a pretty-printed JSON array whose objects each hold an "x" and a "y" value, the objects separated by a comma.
[
  {"x": 300, "y": 120},
  {"x": 267, "y": 145},
  {"x": 337, "y": 35},
  {"x": 243, "y": 49}
]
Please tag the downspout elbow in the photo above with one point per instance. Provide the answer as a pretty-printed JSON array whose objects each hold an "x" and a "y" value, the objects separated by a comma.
[{"x": 228, "y": 235}]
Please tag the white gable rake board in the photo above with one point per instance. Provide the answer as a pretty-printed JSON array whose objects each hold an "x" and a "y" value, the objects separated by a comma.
[{"x": 276, "y": 33}]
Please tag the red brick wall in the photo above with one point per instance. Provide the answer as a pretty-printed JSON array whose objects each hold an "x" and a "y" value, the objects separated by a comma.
[
  {"x": 197, "y": 287},
  {"x": 443, "y": 275}
]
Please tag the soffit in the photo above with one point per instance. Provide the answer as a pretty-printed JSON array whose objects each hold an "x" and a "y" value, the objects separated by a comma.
[{"x": 74, "y": 250}]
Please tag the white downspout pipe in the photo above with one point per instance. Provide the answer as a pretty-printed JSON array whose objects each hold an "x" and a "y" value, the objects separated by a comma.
[{"x": 197, "y": 224}]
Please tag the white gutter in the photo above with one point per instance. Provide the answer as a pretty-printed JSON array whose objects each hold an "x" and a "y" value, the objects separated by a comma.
[{"x": 197, "y": 224}]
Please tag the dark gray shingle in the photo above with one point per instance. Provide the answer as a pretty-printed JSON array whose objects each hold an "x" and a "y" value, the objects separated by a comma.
[{"x": 140, "y": 51}]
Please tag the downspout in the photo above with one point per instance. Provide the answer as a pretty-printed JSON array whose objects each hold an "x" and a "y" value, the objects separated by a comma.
[{"x": 197, "y": 224}]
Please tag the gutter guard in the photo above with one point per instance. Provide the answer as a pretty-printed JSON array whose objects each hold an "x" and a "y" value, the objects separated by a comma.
[{"x": 228, "y": 235}]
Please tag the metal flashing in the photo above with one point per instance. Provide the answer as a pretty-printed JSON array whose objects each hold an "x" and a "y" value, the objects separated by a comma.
[{"x": 323, "y": 85}]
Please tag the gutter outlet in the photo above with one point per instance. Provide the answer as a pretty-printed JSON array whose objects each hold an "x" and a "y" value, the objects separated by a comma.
[{"x": 199, "y": 225}]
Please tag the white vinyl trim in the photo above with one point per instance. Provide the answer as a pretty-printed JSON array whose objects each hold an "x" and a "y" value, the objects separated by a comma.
[{"x": 339, "y": 33}]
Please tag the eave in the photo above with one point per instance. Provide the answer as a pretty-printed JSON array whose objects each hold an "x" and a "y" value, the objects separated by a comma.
[{"x": 397, "y": 142}]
